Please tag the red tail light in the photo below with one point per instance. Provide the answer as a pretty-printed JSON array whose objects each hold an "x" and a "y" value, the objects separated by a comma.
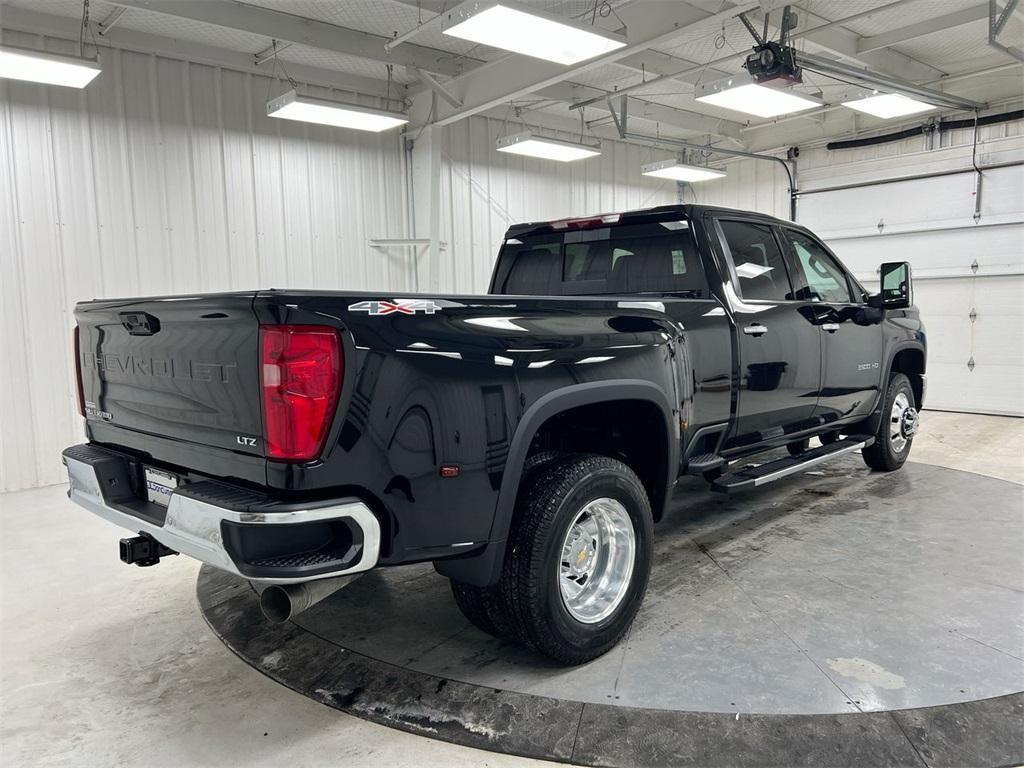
[
  {"x": 78, "y": 373},
  {"x": 301, "y": 373}
]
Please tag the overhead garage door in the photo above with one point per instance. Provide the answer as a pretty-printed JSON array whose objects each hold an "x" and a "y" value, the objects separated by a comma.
[{"x": 968, "y": 275}]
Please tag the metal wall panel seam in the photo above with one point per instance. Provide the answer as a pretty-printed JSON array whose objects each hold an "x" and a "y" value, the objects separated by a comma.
[{"x": 32, "y": 476}]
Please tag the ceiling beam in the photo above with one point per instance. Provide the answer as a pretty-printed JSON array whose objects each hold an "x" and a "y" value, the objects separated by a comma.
[
  {"x": 836, "y": 40},
  {"x": 875, "y": 79},
  {"x": 922, "y": 28},
  {"x": 693, "y": 122},
  {"x": 649, "y": 24},
  {"x": 296, "y": 29},
  {"x": 651, "y": 62},
  {"x": 66, "y": 28},
  {"x": 779, "y": 130},
  {"x": 679, "y": 118},
  {"x": 602, "y": 129},
  {"x": 728, "y": 63}
]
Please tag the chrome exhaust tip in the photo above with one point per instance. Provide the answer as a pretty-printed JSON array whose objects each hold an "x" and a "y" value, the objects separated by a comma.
[{"x": 283, "y": 602}]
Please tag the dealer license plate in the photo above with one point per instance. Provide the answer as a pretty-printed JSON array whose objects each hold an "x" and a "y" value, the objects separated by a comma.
[{"x": 160, "y": 486}]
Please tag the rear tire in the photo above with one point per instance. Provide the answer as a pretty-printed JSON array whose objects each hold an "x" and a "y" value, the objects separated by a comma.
[
  {"x": 470, "y": 600},
  {"x": 827, "y": 438},
  {"x": 896, "y": 428},
  {"x": 799, "y": 447},
  {"x": 578, "y": 557},
  {"x": 538, "y": 460},
  {"x": 485, "y": 607}
]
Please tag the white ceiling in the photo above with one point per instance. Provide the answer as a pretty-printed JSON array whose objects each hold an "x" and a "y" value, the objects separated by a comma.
[{"x": 948, "y": 59}]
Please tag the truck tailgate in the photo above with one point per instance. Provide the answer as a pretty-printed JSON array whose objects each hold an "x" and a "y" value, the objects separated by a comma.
[{"x": 184, "y": 368}]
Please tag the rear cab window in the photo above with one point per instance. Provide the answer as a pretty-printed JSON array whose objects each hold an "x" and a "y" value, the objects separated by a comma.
[{"x": 650, "y": 257}]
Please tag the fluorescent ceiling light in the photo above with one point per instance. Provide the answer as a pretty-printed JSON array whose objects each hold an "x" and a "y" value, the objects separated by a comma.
[
  {"x": 741, "y": 95},
  {"x": 307, "y": 109},
  {"x": 49, "y": 68},
  {"x": 888, "y": 105},
  {"x": 507, "y": 26},
  {"x": 673, "y": 169},
  {"x": 526, "y": 143}
]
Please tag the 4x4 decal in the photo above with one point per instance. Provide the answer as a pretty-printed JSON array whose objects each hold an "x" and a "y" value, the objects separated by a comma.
[{"x": 404, "y": 307}]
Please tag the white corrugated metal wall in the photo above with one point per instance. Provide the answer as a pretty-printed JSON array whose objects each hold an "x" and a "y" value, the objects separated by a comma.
[
  {"x": 164, "y": 176},
  {"x": 484, "y": 191},
  {"x": 969, "y": 275}
]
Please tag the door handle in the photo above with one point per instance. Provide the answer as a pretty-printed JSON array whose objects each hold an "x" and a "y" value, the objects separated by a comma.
[
  {"x": 830, "y": 327},
  {"x": 755, "y": 329}
]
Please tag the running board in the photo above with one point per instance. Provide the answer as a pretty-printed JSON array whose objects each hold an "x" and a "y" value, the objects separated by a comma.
[{"x": 752, "y": 477}]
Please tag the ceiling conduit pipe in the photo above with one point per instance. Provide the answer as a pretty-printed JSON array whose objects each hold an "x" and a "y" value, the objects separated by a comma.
[
  {"x": 724, "y": 151},
  {"x": 942, "y": 126}
]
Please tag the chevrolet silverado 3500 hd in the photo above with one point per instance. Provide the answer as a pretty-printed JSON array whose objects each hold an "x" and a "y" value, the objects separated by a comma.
[{"x": 525, "y": 441}]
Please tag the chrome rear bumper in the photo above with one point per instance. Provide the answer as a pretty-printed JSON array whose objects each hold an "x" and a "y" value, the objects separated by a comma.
[{"x": 198, "y": 528}]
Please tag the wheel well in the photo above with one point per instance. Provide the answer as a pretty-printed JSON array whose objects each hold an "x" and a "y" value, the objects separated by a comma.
[
  {"x": 632, "y": 431},
  {"x": 911, "y": 363}
]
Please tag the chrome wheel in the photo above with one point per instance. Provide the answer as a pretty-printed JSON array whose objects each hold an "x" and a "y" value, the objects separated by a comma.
[
  {"x": 598, "y": 555},
  {"x": 902, "y": 422}
]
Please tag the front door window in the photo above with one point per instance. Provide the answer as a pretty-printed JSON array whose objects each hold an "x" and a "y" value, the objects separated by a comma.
[{"x": 823, "y": 279}]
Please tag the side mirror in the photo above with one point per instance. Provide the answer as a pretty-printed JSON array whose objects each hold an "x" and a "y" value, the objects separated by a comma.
[{"x": 897, "y": 286}]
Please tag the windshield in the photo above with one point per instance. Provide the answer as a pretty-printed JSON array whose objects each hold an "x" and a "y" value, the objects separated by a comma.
[{"x": 658, "y": 257}]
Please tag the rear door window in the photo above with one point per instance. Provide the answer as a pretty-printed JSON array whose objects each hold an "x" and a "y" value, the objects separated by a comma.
[
  {"x": 659, "y": 257},
  {"x": 757, "y": 261}
]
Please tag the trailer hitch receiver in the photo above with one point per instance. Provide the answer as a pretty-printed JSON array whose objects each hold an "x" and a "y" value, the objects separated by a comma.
[{"x": 143, "y": 550}]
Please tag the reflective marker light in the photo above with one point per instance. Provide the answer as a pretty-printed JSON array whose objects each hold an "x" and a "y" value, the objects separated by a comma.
[
  {"x": 673, "y": 169},
  {"x": 49, "y": 68},
  {"x": 510, "y": 27},
  {"x": 306, "y": 109},
  {"x": 888, "y": 105},
  {"x": 741, "y": 95},
  {"x": 526, "y": 143}
]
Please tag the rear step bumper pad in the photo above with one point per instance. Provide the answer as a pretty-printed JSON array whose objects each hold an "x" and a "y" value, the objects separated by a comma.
[{"x": 194, "y": 527}]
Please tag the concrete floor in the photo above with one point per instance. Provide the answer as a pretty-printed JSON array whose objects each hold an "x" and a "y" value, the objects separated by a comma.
[
  {"x": 101, "y": 664},
  {"x": 838, "y": 591}
]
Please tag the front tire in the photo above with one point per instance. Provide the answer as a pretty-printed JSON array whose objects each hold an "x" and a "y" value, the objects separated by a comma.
[
  {"x": 578, "y": 557},
  {"x": 896, "y": 428}
]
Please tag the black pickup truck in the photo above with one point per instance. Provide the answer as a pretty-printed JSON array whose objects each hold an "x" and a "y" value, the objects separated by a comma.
[{"x": 526, "y": 442}]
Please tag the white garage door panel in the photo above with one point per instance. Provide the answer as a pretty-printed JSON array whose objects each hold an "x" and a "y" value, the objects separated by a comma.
[
  {"x": 940, "y": 199},
  {"x": 1002, "y": 193},
  {"x": 993, "y": 341},
  {"x": 954, "y": 297},
  {"x": 958, "y": 296},
  {"x": 936, "y": 203},
  {"x": 952, "y": 387},
  {"x": 997, "y": 249},
  {"x": 993, "y": 345},
  {"x": 941, "y": 241},
  {"x": 949, "y": 338}
]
